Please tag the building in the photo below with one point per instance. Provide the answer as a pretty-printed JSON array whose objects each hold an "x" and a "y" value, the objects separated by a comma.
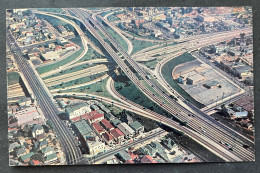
[
  {"x": 62, "y": 30},
  {"x": 25, "y": 101},
  {"x": 29, "y": 116},
  {"x": 108, "y": 138},
  {"x": 127, "y": 118},
  {"x": 47, "y": 151},
  {"x": 51, "y": 158},
  {"x": 41, "y": 144},
  {"x": 194, "y": 79},
  {"x": 51, "y": 55},
  {"x": 12, "y": 146},
  {"x": 77, "y": 110},
  {"x": 147, "y": 159},
  {"x": 98, "y": 128},
  {"x": 106, "y": 124},
  {"x": 26, "y": 158},
  {"x": 212, "y": 84},
  {"x": 115, "y": 122},
  {"x": 93, "y": 116},
  {"x": 117, "y": 134},
  {"x": 20, "y": 152},
  {"x": 88, "y": 138},
  {"x": 70, "y": 46},
  {"x": 37, "y": 130},
  {"x": 123, "y": 156},
  {"x": 128, "y": 131},
  {"x": 137, "y": 127},
  {"x": 96, "y": 146},
  {"x": 169, "y": 144}
]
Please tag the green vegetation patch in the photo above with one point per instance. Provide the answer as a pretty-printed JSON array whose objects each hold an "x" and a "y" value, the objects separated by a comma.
[
  {"x": 98, "y": 88},
  {"x": 124, "y": 86},
  {"x": 118, "y": 38},
  {"x": 139, "y": 45},
  {"x": 167, "y": 74},
  {"x": 13, "y": 78}
]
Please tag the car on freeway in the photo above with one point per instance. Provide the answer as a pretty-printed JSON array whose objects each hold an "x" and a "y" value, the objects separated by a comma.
[
  {"x": 246, "y": 146},
  {"x": 221, "y": 142}
]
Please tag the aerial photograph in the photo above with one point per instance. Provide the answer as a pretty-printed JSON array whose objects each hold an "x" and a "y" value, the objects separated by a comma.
[{"x": 130, "y": 85}]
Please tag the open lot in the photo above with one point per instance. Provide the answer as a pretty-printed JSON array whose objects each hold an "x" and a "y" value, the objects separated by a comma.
[{"x": 208, "y": 96}]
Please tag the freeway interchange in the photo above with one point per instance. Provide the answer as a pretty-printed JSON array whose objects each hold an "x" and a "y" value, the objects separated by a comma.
[{"x": 195, "y": 118}]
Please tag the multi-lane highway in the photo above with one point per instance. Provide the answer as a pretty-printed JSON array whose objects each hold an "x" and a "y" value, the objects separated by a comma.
[
  {"x": 46, "y": 103},
  {"x": 215, "y": 131}
]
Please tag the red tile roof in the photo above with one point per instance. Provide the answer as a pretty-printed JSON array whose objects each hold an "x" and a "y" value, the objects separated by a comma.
[
  {"x": 116, "y": 133},
  {"x": 75, "y": 119},
  {"x": 92, "y": 115},
  {"x": 129, "y": 161},
  {"x": 147, "y": 159},
  {"x": 35, "y": 162},
  {"x": 108, "y": 137},
  {"x": 107, "y": 124},
  {"x": 98, "y": 127}
]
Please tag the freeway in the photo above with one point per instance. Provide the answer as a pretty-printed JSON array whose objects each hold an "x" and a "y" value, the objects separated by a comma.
[
  {"x": 46, "y": 103},
  {"x": 215, "y": 131}
]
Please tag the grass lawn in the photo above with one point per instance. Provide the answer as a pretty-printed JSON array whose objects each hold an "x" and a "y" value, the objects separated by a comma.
[
  {"x": 98, "y": 88},
  {"x": 139, "y": 45},
  {"x": 118, "y": 38},
  {"x": 112, "y": 18},
  {"x": 124, "y": 86},
  {"x": 91, "y": 54},
  {"x": 13, "y": 78},
  {"x": 167, "y": 74}
]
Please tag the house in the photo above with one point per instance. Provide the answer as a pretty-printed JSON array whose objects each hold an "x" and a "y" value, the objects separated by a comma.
[
  {"x": 148, "y": 150},
  {"x": 37, "y": 130},
  {"x": 26, "y": 158},
  {"x": 62, "y": 30},
  {"x": 47, "y": 151},
  {"x": 34, "y": 162},
  {"x": 128, "y": 131},
  {"x": 129, "y": 162},
  {"x": 12, "y": 146},
  {"x": 110, "y": 116},
  {"x": 147, "y": 159},
  {"x": 115, "y": 122},
  {"x": 228, "y": 112},
  {"x": 169, "y": 144},
  {"x": 117, "y": 134},
  {"x": 51, "y": 55},
  {"x": 51, "y": 158},
  {"x": 127, "y": 118},
  {"x": 96, "y": 146},
  {"x": 20, "y": 152},
  {"x": 108, "y": 138},
  {"x": 93, "y": 116},
  {"x": 124, "y": 156},
  {"x": 98, "y": 128},
  {"x": 40, "y": 137},
  {"x": 77, "y": 110},
  {"x": 106, "y": 124},
  {"x": 137, "y": 127},
  {"x": 43, "y": 144},
  {"x": 70, "y": 46},
  {"x": 25, "y": 101}
]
